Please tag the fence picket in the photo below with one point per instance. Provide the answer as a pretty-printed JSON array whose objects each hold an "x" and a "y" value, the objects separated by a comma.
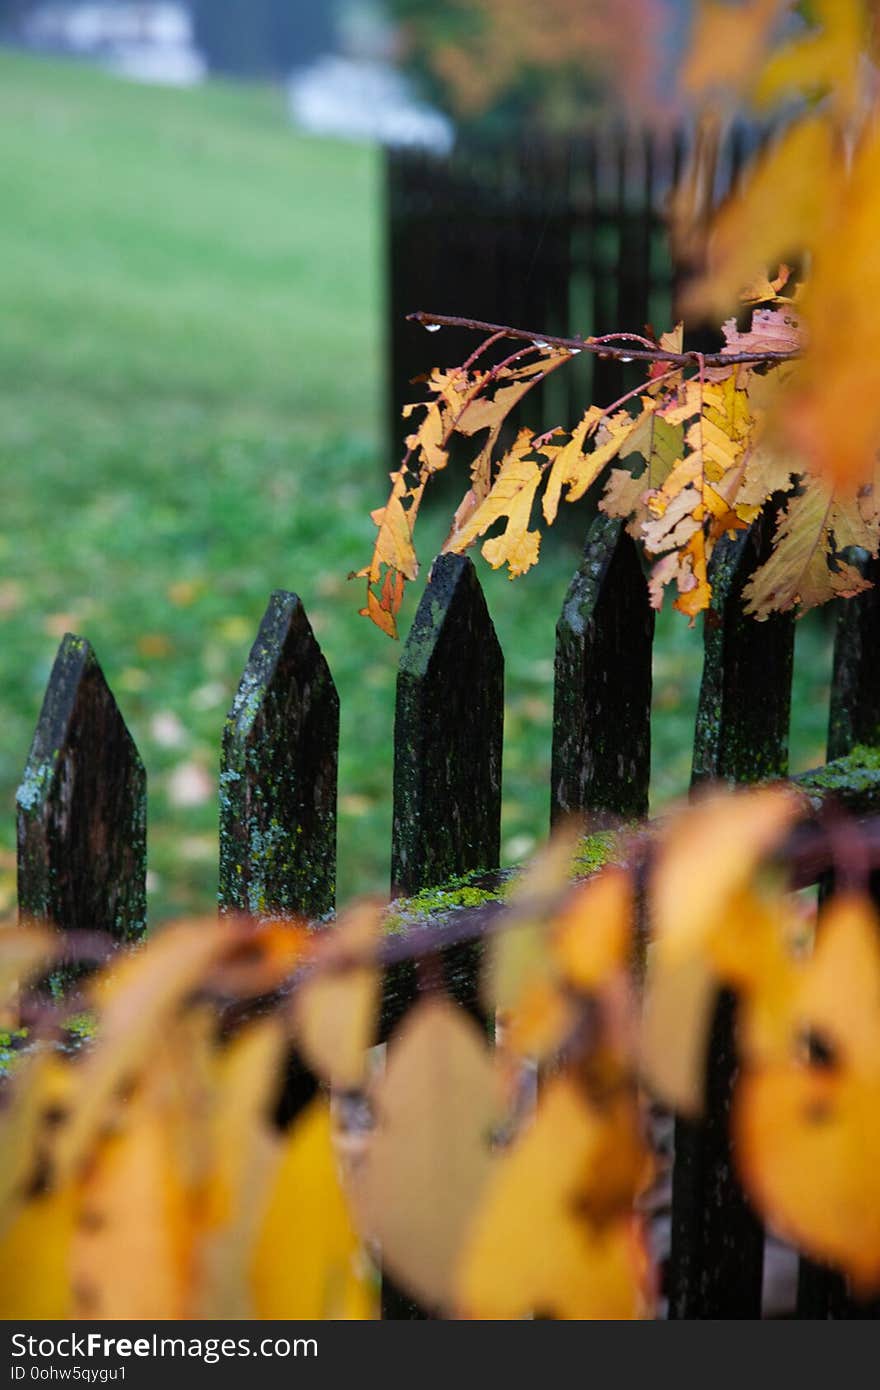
[
  {"x": 853, "y": 719},
  {"x": 82, "y": 807},
  {"x": 716, "y": 1259},
  {"x": 854, "y": 714},
  {"x": 601, "y": 760},
  {"x": 448, "y": 730},
  {"x": 745, "y": 694},
  {"x": 278, "y": 774}
]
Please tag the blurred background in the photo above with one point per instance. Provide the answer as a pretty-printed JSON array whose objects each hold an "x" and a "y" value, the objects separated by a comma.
[{"x": 214, "y": 218}]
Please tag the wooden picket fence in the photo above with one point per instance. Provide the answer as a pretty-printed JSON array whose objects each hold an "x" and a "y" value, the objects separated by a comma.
[{"x": 82, "y": 803}]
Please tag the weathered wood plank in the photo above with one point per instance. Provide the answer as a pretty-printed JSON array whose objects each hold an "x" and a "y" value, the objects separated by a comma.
[
  {"x": 448, "y": 731},
  {"x": 745, "y": 694},
  {"x": 448, "y": 735},
  {"x": 852, "y": 779},
  {"x": 717, "y": 1247},
  {"x": 601, "y": 761},
  {"x": 279, "y": 773},
  {"x": 854, "y": 711},
  {"x": 82, "y": 807}
]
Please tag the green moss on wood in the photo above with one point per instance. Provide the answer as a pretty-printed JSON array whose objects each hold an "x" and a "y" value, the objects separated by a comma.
[
  {"x": 854, "y": 781},
  {"x": 491, "y": 885}
]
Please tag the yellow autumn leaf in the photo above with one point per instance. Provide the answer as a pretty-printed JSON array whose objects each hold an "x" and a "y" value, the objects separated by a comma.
[
  {"x": 711, "y": 848},
  {"x": 592, "y": 932},
  {"x": 511, "y": 499},
  {"x": 133, "y": 1254},
  {"x": 335, "y": 1014},
  {"x": 719, "y": 434},
  {"x": 567, "y": 461},
  {"x": 485, "y": 413},
  {"x": 307, "y": 1260},
  {"x": 782, "y": 209},
  {"x": 677, "y": 1011},
  {"x": 135, "y": 997},
  {"x": 801, "y": 571},
  {"x": 807, "y": 1110},
  {"x": 430, "y": 437},
  {"x": 35, "y": 1257},
  {"x": 661, "y": 445},
  {"x": 43, "y": 1086},
  {"x": 832, "y": 413},
  {"x": 394, "y": 545},
  {"x": 514, "y": 957},
  {"x": 429, "y": 1157},
  {"x": 747, "y": 950},
  {"x": 245, "y": 1150},
  {"x": 827, "y": 60},
  {"x": 702, "y": 918},
  {"x": 521, "y": 980},
  {"x": 694, "y": 589},
  {"x": 534, "y": 1247}
]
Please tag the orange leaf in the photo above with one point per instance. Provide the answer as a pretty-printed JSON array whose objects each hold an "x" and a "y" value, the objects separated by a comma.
[
  {"x": 592, "y": 932},
  {"x": 134, "y": 1251}
]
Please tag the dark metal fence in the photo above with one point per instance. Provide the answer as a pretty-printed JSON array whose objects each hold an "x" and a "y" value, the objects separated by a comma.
[{"x": 563, "y": 236}]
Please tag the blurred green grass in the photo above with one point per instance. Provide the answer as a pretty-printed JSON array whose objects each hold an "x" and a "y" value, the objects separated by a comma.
[{"x": 190, "y": 379}]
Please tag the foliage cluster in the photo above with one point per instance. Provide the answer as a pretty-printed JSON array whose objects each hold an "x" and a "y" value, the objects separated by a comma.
[
  {"x": 167, "y": 1135},
  {"x": 787, "y": 407},
  {"x": 496, "y": 64}
]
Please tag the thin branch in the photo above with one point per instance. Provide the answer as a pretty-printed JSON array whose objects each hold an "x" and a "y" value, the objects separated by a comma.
[
  {"x": 636, "y": 391},
  {"x": 808, "y": 854},
  {"x": 604, "y": 349}
]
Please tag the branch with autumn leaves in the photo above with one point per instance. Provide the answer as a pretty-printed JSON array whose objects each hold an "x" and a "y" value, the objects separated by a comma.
[
  {"x": 789, "y": 408},
  {"x": 705, "y": 432},
  {"x": 610, "y": 345}
]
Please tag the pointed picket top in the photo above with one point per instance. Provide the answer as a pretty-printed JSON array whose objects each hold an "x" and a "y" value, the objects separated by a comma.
[
  {"x": 745, "y": 694},
  {"x": 81, "y": 807},
  {"x": 448, "y": 734},
  {"x": 601, "y": 763},
  {"x": 279, "y": 772}
]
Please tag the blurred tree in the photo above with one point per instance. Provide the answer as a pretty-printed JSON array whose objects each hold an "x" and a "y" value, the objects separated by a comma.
[
  {"x": 259, "y": 38},
  {"x": 498, "y": 62}
]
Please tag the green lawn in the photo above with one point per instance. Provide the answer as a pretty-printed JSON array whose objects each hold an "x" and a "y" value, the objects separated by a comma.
[{"x": 190, "y": 376}]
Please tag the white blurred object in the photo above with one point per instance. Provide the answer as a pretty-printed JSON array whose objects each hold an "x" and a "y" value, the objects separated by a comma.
[
  {"x": 362, "y": 100},
  {"x": 160, "y": 66},
  {"x": 190, "y": 785},
  {"x": 147, "y": 42}
]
